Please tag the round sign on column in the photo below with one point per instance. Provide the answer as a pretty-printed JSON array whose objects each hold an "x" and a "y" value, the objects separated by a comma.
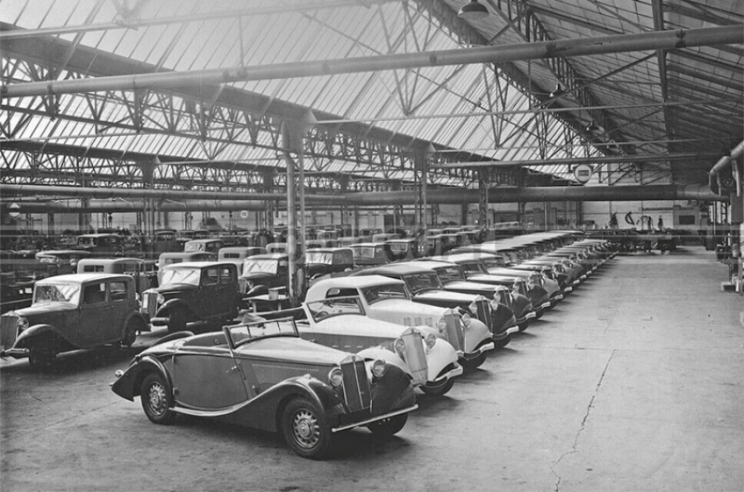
[
  {"x": 583, "y": 173},
  {"x": 243, "y": 214}
]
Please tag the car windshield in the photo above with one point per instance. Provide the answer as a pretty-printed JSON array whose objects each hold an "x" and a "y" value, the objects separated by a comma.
[
  {"x": 493, "y": 261},
  {"x": 450, "y": 274},
  {"x": 260, "y": 266},
  {"x": 335, "y": 306},
  {"x": 319, "y": 257},
  {"x": 384, "y": 292},
  {"x": 364, "y": 252},
  {"x": 422, "y": 282},
  {"x": 47, "y": 293},
  {"x": 181, "y": 276},
  {"x": 86, "y": 241},
  {"x": 194, "y": 247},
  {"x": 400, "y": 247},
  {"x": 255, "y": 328}
]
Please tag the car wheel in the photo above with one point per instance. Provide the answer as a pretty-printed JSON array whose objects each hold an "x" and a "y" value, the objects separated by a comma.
[
  {"x": 472, "y": 365},
  {"x": 130, "y": 335},
  {"x": 523, "y": 326},
  {"x": 389, "y": 427},
  {"x": 177, "y": 320},
  {"x": 439, "y": 389},
  {"x": 41, "y": 357},
  {"x": 503, "y": 342},
  {"x": 157, "y": 399},
  {"x": 305, "y": 429}
]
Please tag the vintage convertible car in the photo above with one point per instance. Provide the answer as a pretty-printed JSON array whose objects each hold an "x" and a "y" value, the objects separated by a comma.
[
  {"x": 424, "y": 285},
  {"x": 263, "y": 375},
  {"x": 341, "y": 322},
  {"x": 387, "y": 299}
]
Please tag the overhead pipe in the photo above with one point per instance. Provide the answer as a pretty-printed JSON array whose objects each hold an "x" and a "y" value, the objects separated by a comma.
[
  {"x": 714, "y": 175},
  {"x": 122, "y": 206},
  {"x": 541, "y": 194},
  {"x": 655, "y": 40},
  {"x": 157, "y": 194}
]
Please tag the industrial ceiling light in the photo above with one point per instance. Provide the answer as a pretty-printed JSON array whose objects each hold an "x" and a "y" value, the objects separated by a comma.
[{"x": 472, "y": 11}]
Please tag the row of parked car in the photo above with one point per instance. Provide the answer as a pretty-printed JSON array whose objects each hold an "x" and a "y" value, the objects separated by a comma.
[{"x": 351, "y": 355}]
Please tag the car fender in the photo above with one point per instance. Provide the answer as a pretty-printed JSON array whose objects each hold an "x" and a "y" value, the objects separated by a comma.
[
  {"x": 36, "y": 332},
  {"x": 441, "y": 355},
  {"x": 476, "y": 333},
  {"x": 133, "y": 314},
  {"x": 172, "y": 303},
  {"x": 388, "y": 356},
  {"x": 264, "y": 412},
  {"x": 128, "y": 384}
]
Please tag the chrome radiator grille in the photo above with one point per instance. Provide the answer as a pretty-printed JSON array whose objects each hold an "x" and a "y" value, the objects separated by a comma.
[
  {"x": 415, "y": 356},
  {"x": 454, "y": 331},
  {"x": 483, "y": 312},
  {"x": 150, "y": 304},
  {"x": 357, "y": 391},
  {"x": 8, "y": 330}
]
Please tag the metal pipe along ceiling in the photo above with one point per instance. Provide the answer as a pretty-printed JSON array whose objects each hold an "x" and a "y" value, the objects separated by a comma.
[
  {"x": 117, "y": 206},
  {"x": 543, "y": 194},
  {"x": 437, "y": 195},
  {"x": 657, "y": 40}
]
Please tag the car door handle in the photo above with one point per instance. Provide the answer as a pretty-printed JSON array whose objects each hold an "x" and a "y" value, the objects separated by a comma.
[{"x": 232, "y": 369}]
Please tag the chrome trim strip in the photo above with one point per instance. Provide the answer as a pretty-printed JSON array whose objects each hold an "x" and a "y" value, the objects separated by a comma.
[
  {"x": 458, "y": 371},
  {"x": 513, "y": 329},
  {"x": 375, "y": 419},
  {"x": 531, "y": 315},
  {"x": 545, "y": 305}
]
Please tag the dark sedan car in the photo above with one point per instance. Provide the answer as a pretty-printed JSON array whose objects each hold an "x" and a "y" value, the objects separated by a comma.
[{"x": 262, "y": 375}]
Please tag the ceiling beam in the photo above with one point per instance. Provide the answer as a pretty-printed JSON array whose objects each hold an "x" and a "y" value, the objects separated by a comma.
[
  {"x": 579, "y": 160},
  {"x": 486, "y": 54}
]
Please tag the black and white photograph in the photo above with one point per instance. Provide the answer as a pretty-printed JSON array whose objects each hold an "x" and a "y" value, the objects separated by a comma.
[{"x": 372, "y": 245}]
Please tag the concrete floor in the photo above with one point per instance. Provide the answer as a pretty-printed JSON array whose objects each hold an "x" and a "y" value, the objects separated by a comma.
[{"x": 633, "y": 383}]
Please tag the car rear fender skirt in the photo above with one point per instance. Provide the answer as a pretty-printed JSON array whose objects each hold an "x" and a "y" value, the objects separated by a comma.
[
  {"x": 374, "y": 353},
  {"x": 46, "y": 334},
  {"x": 128, "y": 385}
]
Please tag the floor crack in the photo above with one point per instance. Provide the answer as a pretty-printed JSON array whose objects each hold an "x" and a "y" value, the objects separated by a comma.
[{"x": 583, "y": 423}]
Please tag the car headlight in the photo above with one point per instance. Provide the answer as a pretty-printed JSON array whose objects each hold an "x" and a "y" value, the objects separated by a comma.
[
  {"x": 442, "y": 325},
  {"x": 22, "y": 323},
  {"x": 473, "y": 307},
  {"x": 494, "y": 304},
  {"x": 336, "y": 377},
  {"x": 466, "y": 320},
  {"x": 161, "y": 298},
  {"x": 431, "y": 340},
  {"x": 378, "y": 368},
  {"x": 400, "y": 346}
]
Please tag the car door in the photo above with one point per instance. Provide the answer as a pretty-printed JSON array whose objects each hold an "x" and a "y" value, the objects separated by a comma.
[
  {"x": 207, "y": 378},
  {"x": 119, "y": 291},
  {"x": 226, "y": 288},
  {"x": 94, "y": 327},
  {"x": 209, "y": 295}
]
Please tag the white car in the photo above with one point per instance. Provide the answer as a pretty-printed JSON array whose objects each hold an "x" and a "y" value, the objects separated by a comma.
[
  {"x": 386, "y": 299},
  {"x": 341, "y": 323}
]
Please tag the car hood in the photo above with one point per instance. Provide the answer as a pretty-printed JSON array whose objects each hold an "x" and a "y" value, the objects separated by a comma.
[
  {"x": 166, "y": 289},
  {"x": 405, "y": 307},
  {"x": 291, "y": 349},
  {"x": 355, "y": 325},
  {"x": 445, "y": 296},
  {"x": 43, "y": 310},
  {"x": 474, "y": 287}
]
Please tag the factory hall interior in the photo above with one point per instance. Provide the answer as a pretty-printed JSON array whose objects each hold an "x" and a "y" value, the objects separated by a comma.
[{"x": 405, "y": 245}]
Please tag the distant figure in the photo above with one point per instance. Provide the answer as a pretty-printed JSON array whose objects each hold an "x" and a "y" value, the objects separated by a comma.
[{"x": 661, "y": 223}]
